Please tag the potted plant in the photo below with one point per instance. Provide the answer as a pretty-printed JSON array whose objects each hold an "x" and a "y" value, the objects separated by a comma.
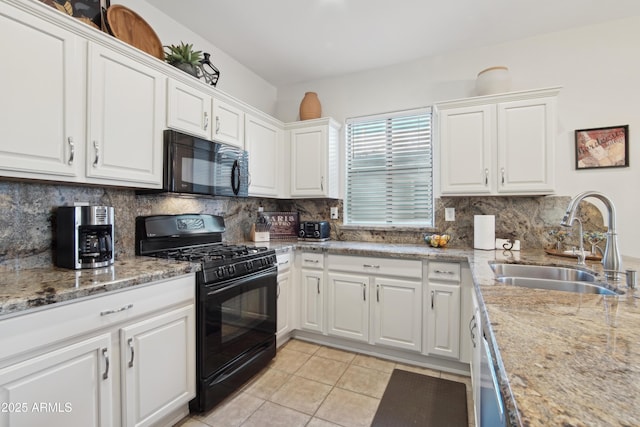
[{"x": 184, "y": 57}]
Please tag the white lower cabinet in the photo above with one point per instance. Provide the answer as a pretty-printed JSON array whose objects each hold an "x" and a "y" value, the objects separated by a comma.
[
  {"x": 70, "y": 386},
  {"x": 442, "y": 305},
  {"x": 123, "y": 359},
  {"x": 312, "y": 290},
  {"x": 284, "y": 295},
  {"x": 376, "y": 305}
]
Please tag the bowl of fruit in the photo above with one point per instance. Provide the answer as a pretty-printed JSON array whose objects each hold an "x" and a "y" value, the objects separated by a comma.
[{"x": 437, "y": 240}]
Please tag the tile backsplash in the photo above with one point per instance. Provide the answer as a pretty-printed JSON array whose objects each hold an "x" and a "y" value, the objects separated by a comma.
[{"x": 27, "y": 215}]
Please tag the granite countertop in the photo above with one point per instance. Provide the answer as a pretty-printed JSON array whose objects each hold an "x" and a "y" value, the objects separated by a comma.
[
  {"x": 27, "y": 289},
  {"x": 563, "y": 358}
]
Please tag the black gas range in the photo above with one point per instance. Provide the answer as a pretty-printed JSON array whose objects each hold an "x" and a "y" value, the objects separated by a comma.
[{"x": 235, "y": 296}]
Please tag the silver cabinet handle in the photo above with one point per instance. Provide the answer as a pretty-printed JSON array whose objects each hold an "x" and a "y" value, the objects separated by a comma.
[
  {"x": 318, "y": 284},
  {"x": 378, "y": 293},
  {"x": 278, "y": 292},
  {"x": 370, "y": 266},
  {"x": 217, "y": 125},
  {"x": 486, "y": 177},
  {"x": 133, "y": 354},
  {"x": 206, "y": 120},
  {"x": 432, "y": 295},
  {"x": 117, "y": 310},
  {"x": 315, "y": 261},
  {"x": 105, "y": 375},
  {"x": 72, "y": 150},
  {"x": 473, "y": 325},
  {"x": 97, "y": 158},
  {"x": 364, "y": 291},
  {"x": 502, "y": 173},
  {"x": 444, "y": 272},
  {"x": 284, "y": 263},
  {"x": 322, "y": 183}
]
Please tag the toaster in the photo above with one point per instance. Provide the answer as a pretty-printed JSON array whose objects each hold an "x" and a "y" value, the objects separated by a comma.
[{"x": 314, "y": 230}]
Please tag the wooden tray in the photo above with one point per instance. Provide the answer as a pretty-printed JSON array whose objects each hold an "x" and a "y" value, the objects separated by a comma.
[
  {"x": 589, "y": 256},
  {"x": 126, "y": 25}
]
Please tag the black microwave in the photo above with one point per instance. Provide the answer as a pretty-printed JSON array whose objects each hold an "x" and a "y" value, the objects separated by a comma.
[{"x": 198, "y": 166}]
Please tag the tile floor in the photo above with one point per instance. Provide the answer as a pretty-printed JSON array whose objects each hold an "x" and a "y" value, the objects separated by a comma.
[{"x": 314, "y": 386}]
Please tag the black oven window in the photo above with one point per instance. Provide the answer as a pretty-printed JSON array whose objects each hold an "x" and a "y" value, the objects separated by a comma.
[{"x": 243, "y": 313}]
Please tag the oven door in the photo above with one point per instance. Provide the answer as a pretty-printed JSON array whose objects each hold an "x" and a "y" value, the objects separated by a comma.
[
  {"x": 189, "y": 164},
  {"x": 237, "y": 316}
]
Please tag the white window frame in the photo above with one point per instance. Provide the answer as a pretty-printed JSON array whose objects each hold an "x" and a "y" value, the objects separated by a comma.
[{"x": 395, "y": 211}]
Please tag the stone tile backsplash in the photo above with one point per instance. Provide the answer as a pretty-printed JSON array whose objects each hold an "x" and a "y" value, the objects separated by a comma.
[{"x": 27, "y": 215}]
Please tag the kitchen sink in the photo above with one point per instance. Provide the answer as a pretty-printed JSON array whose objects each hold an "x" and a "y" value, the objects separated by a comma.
[
  {"x": 549, "y": 272},
  {"x": 553, "y": 278},
  {"x": 560, "y": 285}
]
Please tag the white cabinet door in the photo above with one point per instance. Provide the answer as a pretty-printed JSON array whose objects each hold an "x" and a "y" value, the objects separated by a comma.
[
  {"x": 188, "y": 109},
  {"x": 262, "y": 142},
  {"x": 312, "y": 292},
  {"x": 41, "y": 113},
  {"x": 283, "y": 324},
  {"x": 126, "y": 109},
  {"x": 70, "y": 386},
  {"x": 158, "y": 366},
  {"x": 443, "y": 307},
  {"x": 348, "y": 306},
  {"x": 526, "y": 131},
  {"x": 314, "y": 159},
  {"x": 228, "y": 123},
  {"x": 467, "y": 150},
  {"x": 397, "y": 313}
]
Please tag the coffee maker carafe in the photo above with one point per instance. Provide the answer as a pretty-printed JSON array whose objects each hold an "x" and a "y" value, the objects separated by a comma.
[{"x": 84, "y": 237}]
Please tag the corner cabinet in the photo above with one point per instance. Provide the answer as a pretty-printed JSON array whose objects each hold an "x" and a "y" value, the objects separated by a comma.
[
  {"x": 126, "y": 359},
  {"x": 498, "y": 144},
  {"x": 126, "y": 119},
  {"x": 314, "y": 158},
  {"x": 263, "y": 142}
]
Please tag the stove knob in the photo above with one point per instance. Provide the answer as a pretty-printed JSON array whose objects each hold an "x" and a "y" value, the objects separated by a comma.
[
  {"x": 249, "y": 265},
  {"x": 231, "y": 269},
  {"x": 220, "y": 272}
]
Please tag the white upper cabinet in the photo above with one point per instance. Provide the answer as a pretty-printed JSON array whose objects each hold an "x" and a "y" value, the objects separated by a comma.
[
  {"x": 498, "y": 144},
  {"x": 42, "y": 114},
  {"x": 314, "y": 158},
  {"x": 188, "y": 109},
  {"x": 126, "y": 119},
  {"x": 263, "y": 141},
  {"x": 228, "y": 123}
]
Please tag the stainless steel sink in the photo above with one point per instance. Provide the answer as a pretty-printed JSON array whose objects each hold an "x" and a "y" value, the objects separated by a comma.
[
  {"x": 543, "y": 272},
  {"x": 560, "y": 285},
  {"x": 551, "y": 277}
]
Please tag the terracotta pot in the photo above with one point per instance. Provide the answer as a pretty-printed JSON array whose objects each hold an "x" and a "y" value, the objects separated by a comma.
[{"x": 310, "y": 107}]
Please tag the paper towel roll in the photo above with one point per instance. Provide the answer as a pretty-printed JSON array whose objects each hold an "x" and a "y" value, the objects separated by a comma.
[{"x": 484, "y": 232}]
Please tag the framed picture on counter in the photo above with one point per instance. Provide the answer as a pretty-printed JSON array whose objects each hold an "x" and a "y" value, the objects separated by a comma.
[
  {"x": 284, "y": 225},
  {"x": 606, "y": 147}
]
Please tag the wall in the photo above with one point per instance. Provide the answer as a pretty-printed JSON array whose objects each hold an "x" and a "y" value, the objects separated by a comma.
[
  {"x": 596, "y": 66},
  {"x": 235, "y": 79}
]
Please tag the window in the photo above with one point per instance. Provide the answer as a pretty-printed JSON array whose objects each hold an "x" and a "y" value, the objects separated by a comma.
[{"x": 389, "y": 170}]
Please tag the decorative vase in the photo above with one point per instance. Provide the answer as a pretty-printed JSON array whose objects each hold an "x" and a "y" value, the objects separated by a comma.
[
  {"x": 310, "y": 107},
  {"x": 493, "y": 80}
]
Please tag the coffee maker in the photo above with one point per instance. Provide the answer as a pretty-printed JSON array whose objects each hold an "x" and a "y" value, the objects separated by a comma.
[{"x": 84, "y": 237}]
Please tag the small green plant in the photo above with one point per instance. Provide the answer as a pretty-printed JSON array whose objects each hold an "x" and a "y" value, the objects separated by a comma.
[{"x": 182, "y": 54}]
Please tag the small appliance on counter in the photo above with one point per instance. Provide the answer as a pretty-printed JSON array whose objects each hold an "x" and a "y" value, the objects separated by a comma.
[
  {"x": 84, "y": 236},
  {"x": 317, "y": 231}
]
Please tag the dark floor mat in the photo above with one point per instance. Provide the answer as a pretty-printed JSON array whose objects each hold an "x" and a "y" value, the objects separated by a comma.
[{"x": 412, "y": 399}]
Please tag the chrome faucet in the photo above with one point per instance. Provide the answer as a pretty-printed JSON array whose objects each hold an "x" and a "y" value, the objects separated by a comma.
[{"x": 611, "y": 260}]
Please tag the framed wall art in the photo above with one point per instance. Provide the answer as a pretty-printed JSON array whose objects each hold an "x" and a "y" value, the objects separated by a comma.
[
  {"x": 606, "y": 147},
  {"x": 88, "y": 11}
]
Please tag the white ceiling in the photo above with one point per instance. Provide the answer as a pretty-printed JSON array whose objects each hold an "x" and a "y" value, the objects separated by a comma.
[{"x": 291, "y": 41}]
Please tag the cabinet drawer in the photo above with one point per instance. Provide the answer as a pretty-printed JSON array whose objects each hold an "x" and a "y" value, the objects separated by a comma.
[
  {"x": 376, "y": 266},
  {"x": 449, "y": 271},
  {"x": 62, "y": 321},
  {"x": 284, "y": 261},
  {"x": 312, "y": 260}
]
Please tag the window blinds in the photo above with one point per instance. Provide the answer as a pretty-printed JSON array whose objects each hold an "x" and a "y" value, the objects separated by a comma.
[{"x": 389, "y": 170}]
